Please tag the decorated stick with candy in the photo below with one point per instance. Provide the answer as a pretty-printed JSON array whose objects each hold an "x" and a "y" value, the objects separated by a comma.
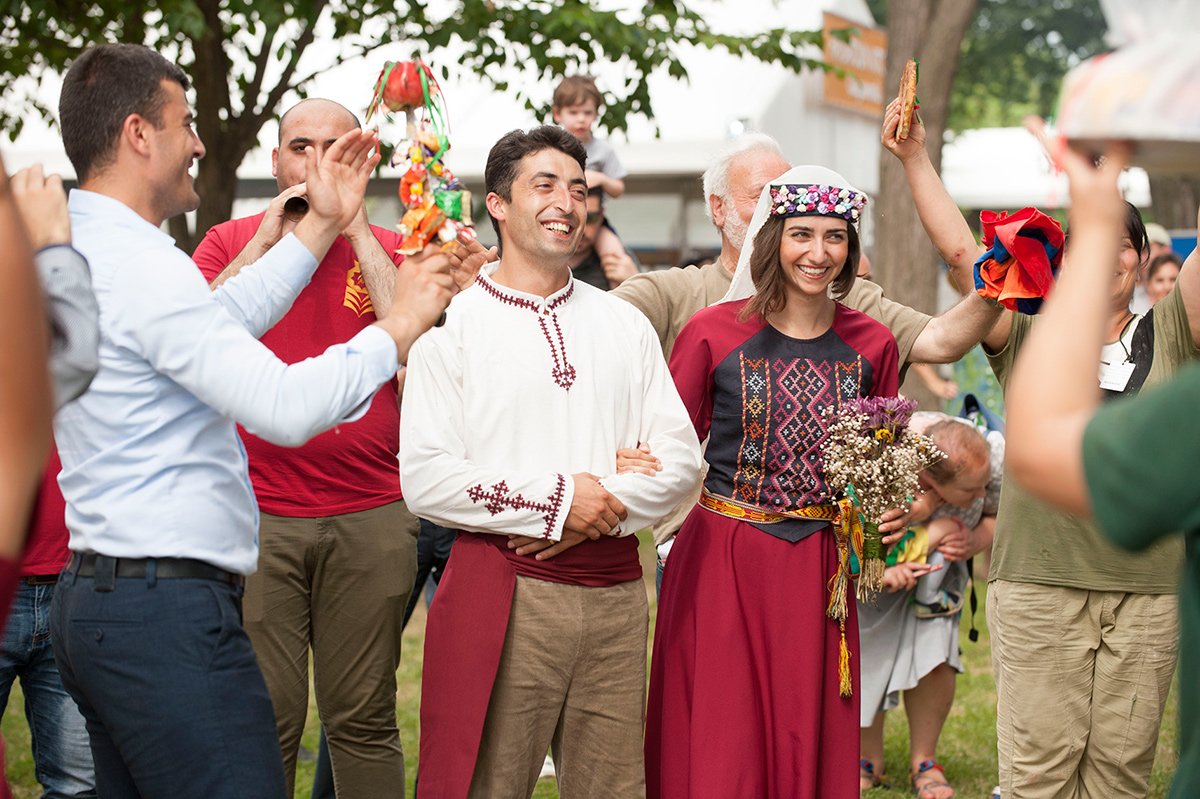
[{"x": 437, "y": 207}]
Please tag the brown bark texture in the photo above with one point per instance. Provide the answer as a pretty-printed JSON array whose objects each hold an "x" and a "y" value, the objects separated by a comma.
[{"x": 1174, "y": 200}]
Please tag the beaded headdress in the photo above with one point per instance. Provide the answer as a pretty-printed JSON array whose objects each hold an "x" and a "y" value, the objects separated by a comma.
[{"x": 816, "y": 198}]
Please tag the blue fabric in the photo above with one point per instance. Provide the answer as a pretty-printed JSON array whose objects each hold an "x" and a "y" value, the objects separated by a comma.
[
  {"x": 979, "y": 414},
  {"x": 175, "y": 704},
  {"x": 61, "y": 758}
]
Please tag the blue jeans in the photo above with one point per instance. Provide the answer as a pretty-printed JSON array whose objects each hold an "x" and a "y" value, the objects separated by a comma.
[
  {"x": 62, "y": 761},
  {"x": 165, "y": 676}
]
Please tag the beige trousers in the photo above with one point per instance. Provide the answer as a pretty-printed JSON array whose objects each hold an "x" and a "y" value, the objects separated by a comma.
[
  {"x": 572, "y": 679},
  {"x": 1081, "y": 680},
  {"x": 340, "y": 585}
]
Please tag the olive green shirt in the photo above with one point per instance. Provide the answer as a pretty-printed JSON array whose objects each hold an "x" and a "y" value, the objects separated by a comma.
[
  {"x": 1140, "y": 459},
  {"x": 1035, "y": 543}
]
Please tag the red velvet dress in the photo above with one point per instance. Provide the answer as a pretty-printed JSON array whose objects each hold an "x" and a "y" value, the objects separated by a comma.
[{"x": 744, "y": 696}]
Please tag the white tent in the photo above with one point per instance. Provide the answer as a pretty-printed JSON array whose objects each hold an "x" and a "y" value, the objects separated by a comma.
[{"x": 663, "y": 209}]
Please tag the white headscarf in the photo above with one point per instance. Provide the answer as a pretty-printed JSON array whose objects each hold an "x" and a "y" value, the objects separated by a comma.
[{"x": 829, "y": 195}]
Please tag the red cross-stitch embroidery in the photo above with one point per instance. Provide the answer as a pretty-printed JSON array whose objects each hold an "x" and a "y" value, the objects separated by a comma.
[
  {"x": 497, "y": 499},
  {"x": 562, "y": 372}
]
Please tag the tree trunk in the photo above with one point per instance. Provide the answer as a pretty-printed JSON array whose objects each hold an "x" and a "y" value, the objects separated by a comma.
[
  {"x": 227, "y": 137},
  {"x": 930, "y": 31},
  {"x": 1175, "y": 201}
]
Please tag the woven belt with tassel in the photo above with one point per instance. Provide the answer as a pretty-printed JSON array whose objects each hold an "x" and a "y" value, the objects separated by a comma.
[{"x": 847, "y": 527}]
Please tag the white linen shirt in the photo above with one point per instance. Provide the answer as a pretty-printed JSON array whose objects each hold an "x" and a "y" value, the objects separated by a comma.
[
  {"x": 516, "y": 393},
  {"x": 152, "y": 463}
]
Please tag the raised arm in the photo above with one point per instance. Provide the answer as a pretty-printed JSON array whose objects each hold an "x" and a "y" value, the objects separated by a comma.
[
  {"x": 224, "y": 366},
  {"x": 377, "y": 264},
  {"x": 972, "y": 320},
  {"x": 66, "y": 282},
  {"x": 26, "y": 403},
  {"x": 943, "y": 222},
  {"x": 273, "y": 227},
  {"x": 261, "y": 294},
  {"x": 1053, "y": 392}
]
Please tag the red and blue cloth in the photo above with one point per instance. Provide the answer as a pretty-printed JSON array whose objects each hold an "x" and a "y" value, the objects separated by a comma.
[{"x": 1021, "y": 264}]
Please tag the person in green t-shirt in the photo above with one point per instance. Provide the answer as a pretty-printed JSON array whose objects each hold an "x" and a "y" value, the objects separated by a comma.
[
  {"x": 1129, "y": 464},
  {"x": 1082, "y": 631}
]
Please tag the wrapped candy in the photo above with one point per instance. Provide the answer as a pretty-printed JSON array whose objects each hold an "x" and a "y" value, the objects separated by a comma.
[
  {"x": 436, "y": 205},
  {"x": 1146, "y": 91}
]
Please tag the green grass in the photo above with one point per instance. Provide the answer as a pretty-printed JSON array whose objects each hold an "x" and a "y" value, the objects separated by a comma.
[{"x": 967, "y": 748}]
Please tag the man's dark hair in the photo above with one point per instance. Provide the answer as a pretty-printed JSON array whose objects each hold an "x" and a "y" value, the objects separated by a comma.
[
  {"x": 596, "y": 191},
  {"x": 507, "y": 153},
  {"x": 101, "y": 89}
]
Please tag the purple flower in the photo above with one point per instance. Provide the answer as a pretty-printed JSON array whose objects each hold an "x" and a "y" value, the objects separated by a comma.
[{"x": 890, "y": 413}]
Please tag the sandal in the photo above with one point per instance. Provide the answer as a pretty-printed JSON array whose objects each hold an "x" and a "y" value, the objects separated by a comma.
[
  {"x": 929, "y": 778},
  {"x": 867, "y": 778}
]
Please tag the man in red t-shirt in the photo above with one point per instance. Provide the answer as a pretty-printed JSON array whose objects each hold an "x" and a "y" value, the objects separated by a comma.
[{"x": 337, "y": 545}]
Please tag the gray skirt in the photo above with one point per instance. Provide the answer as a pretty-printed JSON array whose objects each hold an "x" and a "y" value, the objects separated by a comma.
[{"x": 896, "y": 649}]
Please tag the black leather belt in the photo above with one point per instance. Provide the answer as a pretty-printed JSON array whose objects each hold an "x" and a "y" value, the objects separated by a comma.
[
  {"x": 91, "y": 564},
  {"x": 40, "y": 579}
]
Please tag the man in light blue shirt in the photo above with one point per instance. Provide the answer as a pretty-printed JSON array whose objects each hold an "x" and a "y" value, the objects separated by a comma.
[{"x": 163, "y": 520}]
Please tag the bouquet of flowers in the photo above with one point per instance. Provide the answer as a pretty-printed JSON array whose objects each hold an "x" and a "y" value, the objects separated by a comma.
[{"x": 872, "y": 458}]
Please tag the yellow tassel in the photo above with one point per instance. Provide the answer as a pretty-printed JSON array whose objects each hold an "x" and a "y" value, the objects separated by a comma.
[
  {"x": 844, "y": 685},
  {"x": 838, "y": 607},
  {"x": 838, "y": 604}
]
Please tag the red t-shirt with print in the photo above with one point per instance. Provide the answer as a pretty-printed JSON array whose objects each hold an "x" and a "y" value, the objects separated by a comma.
[
  {"x": 46, "y": 547},
  {"x": 352, "y": 467}
]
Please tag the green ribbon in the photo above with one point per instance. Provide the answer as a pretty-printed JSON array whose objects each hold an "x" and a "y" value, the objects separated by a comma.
[{"x": 437, "y": 114}]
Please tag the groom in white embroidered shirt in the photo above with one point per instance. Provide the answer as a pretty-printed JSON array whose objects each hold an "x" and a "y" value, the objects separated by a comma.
[{"x": 538, "y": 637}]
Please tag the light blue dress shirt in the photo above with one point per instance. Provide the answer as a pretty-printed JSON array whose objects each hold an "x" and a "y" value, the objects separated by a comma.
[{"x": 152, "y": 463}]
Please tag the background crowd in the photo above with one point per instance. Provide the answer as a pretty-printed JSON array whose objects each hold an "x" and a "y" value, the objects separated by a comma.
[{"x": 224, "y": 478}]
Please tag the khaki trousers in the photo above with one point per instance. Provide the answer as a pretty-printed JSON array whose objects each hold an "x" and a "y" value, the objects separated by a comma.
[
  {"x": 339, "y": 585},
  {"x": 1081, "y": 681},
  {"x": 572, "y": 679}
]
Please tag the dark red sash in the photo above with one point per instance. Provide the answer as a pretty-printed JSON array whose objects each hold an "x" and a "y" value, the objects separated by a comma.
[{"x": 464, "y": 638}]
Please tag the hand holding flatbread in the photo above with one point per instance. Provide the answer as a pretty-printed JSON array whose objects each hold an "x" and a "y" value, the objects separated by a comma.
[{"x": 908, "y": 98}]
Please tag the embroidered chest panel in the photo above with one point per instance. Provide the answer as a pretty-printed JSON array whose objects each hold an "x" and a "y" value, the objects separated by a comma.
[
  {"x": 562, "y": 372},
  {"x": 784, "y": 426},
  {"x": 771, "y": 418}
]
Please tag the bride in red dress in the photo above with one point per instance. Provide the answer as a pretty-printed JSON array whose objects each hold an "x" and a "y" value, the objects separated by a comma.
[{"x": 744, "y": 688}]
